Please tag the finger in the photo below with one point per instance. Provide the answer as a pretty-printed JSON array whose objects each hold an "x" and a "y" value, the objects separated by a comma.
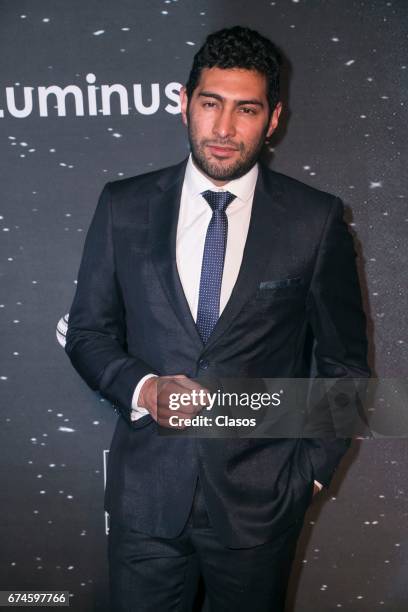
[
  {"x": 174, "y": 385},
  {"x": 186, "y": 382}
]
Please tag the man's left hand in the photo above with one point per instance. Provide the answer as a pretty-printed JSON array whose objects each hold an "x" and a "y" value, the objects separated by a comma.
[{"x": 316, "y": 488}]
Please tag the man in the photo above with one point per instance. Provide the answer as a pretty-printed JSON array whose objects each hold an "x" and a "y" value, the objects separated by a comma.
[{"x": 218, "y": 267}]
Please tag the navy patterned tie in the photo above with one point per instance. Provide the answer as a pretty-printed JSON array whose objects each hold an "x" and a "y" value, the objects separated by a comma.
[{"x": 213, "y": 262}]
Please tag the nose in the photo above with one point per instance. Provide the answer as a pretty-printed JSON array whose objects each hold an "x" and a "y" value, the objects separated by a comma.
[{"x": 224, "y": 125}]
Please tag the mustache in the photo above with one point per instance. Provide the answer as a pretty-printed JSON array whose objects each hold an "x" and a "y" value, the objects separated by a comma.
[{"x": 223, "y": 143}]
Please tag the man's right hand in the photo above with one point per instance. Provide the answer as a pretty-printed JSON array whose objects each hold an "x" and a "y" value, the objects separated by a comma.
[{"x": 155, "y": 397}]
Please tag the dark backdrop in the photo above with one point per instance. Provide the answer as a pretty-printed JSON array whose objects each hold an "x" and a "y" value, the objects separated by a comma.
[{"x": 343, "y": 131}]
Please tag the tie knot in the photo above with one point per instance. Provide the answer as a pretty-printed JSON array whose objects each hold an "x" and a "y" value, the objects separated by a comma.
[{"x": 218, "y": 200}]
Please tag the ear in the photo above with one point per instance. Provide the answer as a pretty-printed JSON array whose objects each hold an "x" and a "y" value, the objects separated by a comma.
[
  {"x": 273, "y": 122},
  {"x": 183, "y": 104}
]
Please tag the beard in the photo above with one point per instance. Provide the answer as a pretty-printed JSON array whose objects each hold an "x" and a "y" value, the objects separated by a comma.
[{"x": 224, "y": 170}]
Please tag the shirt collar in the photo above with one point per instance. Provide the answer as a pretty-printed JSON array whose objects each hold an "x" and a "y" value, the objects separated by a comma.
[{"x": 242, "y": 188}]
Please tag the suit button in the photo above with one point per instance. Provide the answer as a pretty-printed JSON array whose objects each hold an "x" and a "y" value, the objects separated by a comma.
[{"x": 203, "y": 364}]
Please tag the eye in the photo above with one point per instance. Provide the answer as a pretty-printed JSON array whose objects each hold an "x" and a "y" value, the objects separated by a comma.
[
  {"x": 246, "y": 110},
  {"x": 209, "y": 104}
]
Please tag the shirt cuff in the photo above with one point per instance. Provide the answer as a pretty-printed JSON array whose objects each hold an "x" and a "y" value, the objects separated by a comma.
[
  {"x": 318, "y": 484},
  {"x": 137, "y": 411}
]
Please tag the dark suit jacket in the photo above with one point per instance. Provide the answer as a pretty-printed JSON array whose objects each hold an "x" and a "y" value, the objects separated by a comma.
[{"x": 130, "y": 317}]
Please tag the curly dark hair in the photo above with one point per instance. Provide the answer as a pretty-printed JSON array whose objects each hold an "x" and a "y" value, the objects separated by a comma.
[{"x": 238, "y": 47}]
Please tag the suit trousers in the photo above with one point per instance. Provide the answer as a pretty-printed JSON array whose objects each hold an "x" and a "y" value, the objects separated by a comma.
[{"x": 149, "y": 573}]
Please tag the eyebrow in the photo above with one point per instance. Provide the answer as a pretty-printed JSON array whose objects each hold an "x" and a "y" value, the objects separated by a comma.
[{"x": 210, "y": 94}]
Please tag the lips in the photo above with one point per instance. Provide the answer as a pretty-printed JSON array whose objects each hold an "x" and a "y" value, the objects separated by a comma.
[{"x": 221, "y": 151}]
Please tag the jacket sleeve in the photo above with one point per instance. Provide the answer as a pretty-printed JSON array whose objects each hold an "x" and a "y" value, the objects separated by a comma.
[
  {"x": 336, "y": 315},
  {"x": 96, "y": 335}
]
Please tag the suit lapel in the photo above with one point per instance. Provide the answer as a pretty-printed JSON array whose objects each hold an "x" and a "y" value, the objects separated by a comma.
[
  {"x": 164, "y": 207},
  {"x": 267, "y": 219}
]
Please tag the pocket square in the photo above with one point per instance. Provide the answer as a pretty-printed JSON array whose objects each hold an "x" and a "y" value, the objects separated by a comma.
[{"x": 281, "y": 283}]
